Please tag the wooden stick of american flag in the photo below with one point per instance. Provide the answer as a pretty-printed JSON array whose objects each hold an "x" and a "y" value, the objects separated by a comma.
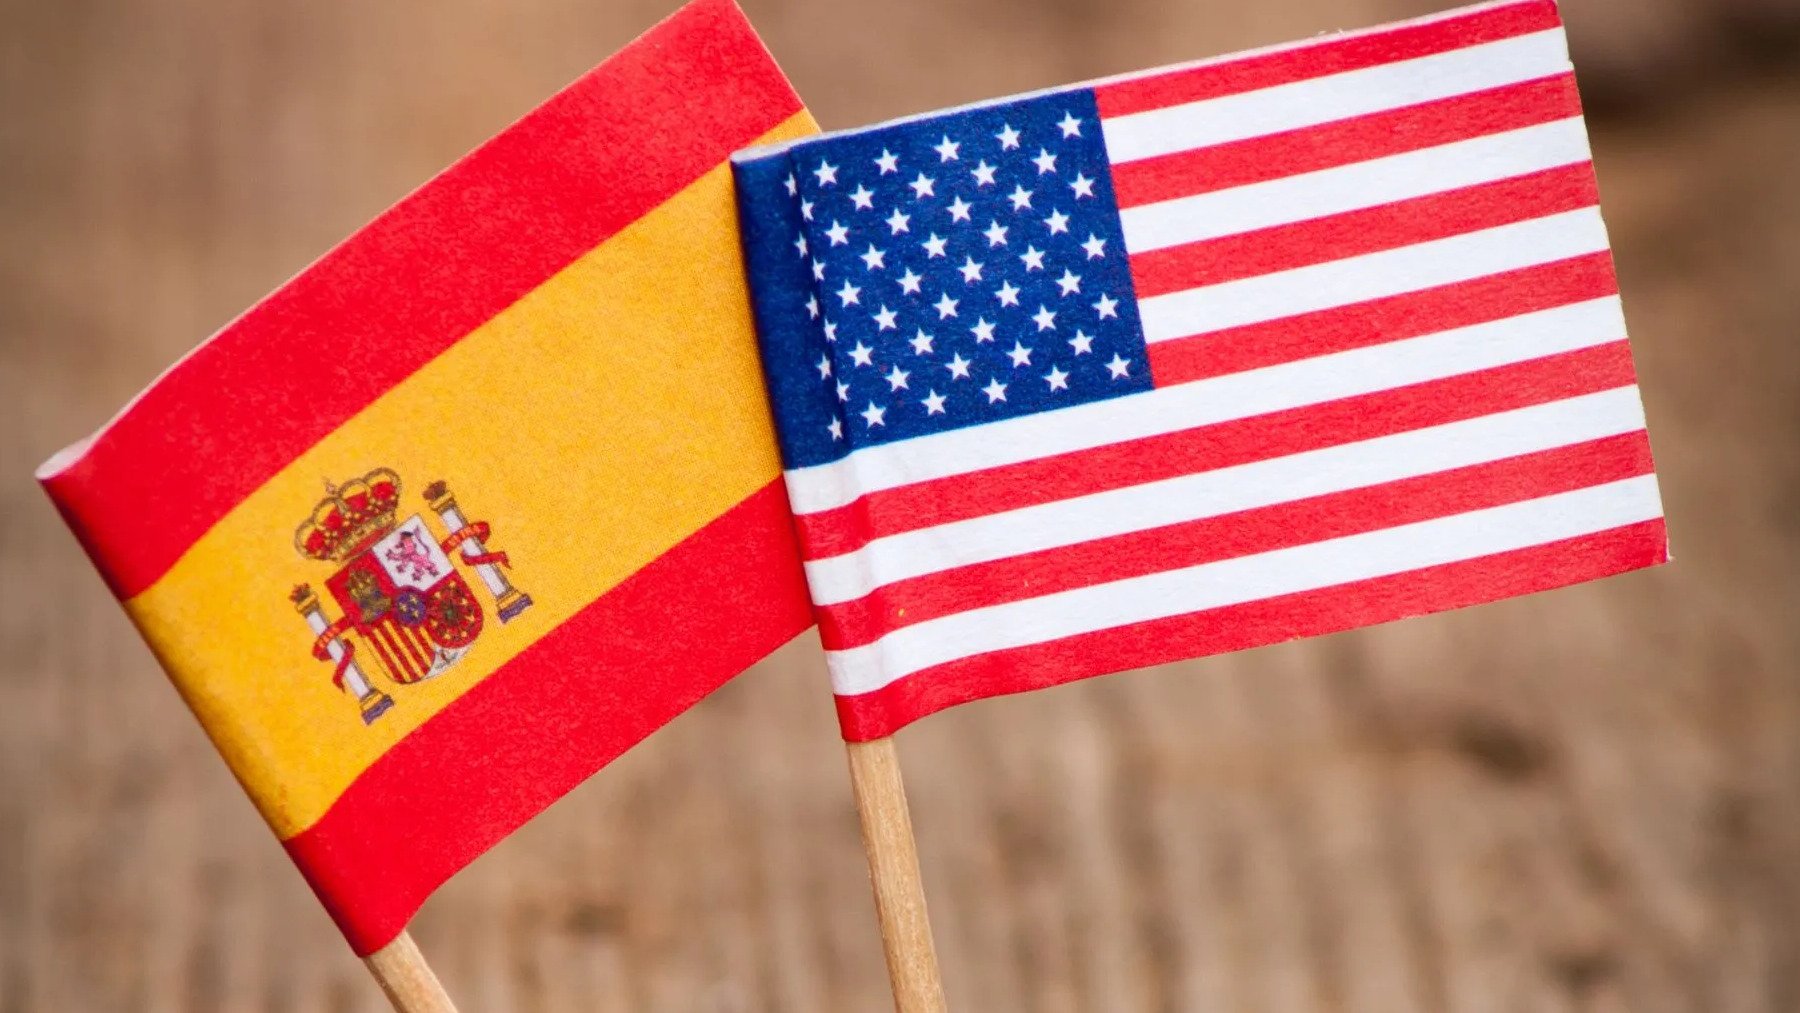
[
  {"x": 409, "y": 983},
  {"x": 1197, "y": 359}
]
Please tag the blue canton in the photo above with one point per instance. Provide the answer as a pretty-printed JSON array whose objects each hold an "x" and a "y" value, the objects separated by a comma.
[{"x": 941, "y": 273}]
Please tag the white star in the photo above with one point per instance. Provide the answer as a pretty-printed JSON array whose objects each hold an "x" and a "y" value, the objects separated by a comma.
[
  {"x": 873, "y": 415},
  {"x": 1095, "y": 246},
  {"x": 806, "y": 208},
  {"x": 971, "y": 269},
  {"x": 909, "y": 282},
  {"x": 1107, "y": 307},
  {"x": 843, "y": 391},
  {"x": 1009, "y": 138},
  {"x": 830, "y": 330},
  {"x": 1071, "y": 127},
  {"x": 934, "y": 403},
  {"x": 1007, "y": 294},
  {"x": 958, "y": 367},
  {"x": 996, "y": 234},
  {"x": 873, "y": 258},
  {"x": 983, "y": 331},
  {"x": 1082, "y": 343},
  {"x": 836, "y": 426},
  {"x": 1021, "y": 356},
  {"x": 862, "y": 355},
  {"x": 896, "y": 222},
  {"x": 826, "y": 172},
  {"x": 1033, "y": 258},
  {"x": 983, "y": 173},
  {"x": 838, "y": 234},
  {"x": 884, "y": 320},
  {"x": 934, "y": 247},
  {"x": 1058, "y": 222},
  {"x": 1070, "y": 282},
  {"x": 959, "y": 210},
  {"x": 792, "y": 184},
  {"x": 1045, "y": 161},
  {"x": 888, "y": 162},
  {"x": 896, "y": 378},
  {"x": 995, "y": 390},
  {"x": 1020, "y": 197},
  {"x": 812, "y": 307},
  {"x": 1057, "y": 379},
  {"x": 800, "y": 244},
  {"x": 921, "y": 187},
  {"x": 1119, "y": 367},
  {"x": 862, "y": 197},
  {"x": 1045, "y": 318},
  {"x": 946, "y": 149},
  {"x": 849, "y": 293},
  {"x": 824, "y": 366},
  {"x": 921, "y": 343},
  {"x": 1083, "y": 186},
  {"x": 818, "y": 269},
  {"x": 946, "y": 307}
]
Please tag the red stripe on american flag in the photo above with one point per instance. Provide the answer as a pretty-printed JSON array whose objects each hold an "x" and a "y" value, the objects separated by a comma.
[
  {"x": 1410, "y": 315},
  {"x": 598, "y": 156},
  {"x": 881, "y": 712},
  {"x": 1335, "y": 56},
  {"x": 1368, "y": 230},
  {"x": 1335, "y": 515},
  {"x": 1206, "y": 448},
  {"x": 1378, "y": 135}
]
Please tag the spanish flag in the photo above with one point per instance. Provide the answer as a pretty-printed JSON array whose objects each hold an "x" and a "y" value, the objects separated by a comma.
[{"x": 481, "y": 498}]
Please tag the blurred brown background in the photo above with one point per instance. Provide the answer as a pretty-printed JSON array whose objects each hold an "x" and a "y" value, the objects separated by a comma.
[{"x": 1586, "y": 800}]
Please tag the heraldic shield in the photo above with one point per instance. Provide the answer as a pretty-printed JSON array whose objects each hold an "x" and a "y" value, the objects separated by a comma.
[{"x": 408, "y": 612}]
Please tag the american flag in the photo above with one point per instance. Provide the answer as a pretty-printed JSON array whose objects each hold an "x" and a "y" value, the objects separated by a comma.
[{"x": 1196, "y": 360}]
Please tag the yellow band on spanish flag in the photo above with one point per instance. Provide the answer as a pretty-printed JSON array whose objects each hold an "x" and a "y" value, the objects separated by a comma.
[
  {"x": 619, "y": 450},
  {"x": 483, "y": 497}
]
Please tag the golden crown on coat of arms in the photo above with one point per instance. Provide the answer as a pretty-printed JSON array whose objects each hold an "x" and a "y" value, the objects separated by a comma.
[{"x": 350, "y": 516}]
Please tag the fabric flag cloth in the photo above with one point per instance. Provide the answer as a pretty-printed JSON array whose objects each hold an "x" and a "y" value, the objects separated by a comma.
[
  {"x": 1197, "y": 359},
  {"x": 482, "y": 497}
]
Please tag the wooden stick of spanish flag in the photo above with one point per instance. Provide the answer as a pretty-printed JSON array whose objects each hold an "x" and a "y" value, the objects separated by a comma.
[{"x": 1157, "y": 367}]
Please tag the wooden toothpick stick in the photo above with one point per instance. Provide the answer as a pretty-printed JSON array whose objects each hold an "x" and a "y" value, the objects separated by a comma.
[
  {"x": 407, "y": 980},
  {"x": 894, "y": 871}
]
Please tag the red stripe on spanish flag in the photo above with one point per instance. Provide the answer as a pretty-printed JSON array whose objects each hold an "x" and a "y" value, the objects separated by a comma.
[
  {"x": 483, "y": 497},
  {"x": 617, "y": 142},
  {"x": 403, "y": 827}
]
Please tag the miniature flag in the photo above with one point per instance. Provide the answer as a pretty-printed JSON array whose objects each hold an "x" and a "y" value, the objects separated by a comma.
[
  {"x": 1196, "y": 360},
  {"x": 484, "y": 496}
]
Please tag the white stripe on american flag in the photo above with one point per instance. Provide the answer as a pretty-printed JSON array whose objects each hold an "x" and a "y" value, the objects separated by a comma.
[
  {"x": 1226, "y": 490},
  {"x": 1405, "y": 231},
  {"x": 1355, "y": 186},
  {"x": 1328, "y": 563},
  {"x": 1205, "y": 402},
  {"x": 1334, "y": 97},
  {"x": 1198, "y": 311}
]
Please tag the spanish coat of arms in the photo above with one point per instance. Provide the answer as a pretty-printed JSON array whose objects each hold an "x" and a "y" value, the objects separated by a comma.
[{"x": 408, "y": 611}]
